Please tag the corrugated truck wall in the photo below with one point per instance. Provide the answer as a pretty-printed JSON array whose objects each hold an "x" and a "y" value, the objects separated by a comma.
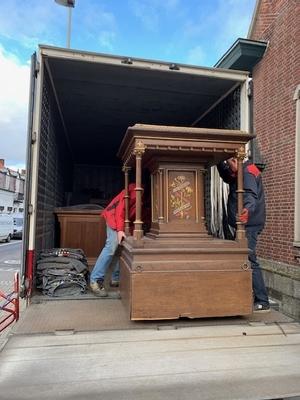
[
  {"x": 55, "y": 168},
  {"x": 226, "y": 115}
]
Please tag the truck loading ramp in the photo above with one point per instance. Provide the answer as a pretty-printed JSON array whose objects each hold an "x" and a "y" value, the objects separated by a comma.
[
  {"x": 89, "y": 349},
  {"x": 218, "y": 359}
]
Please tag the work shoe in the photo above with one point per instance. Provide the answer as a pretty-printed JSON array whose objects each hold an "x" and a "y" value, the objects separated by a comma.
[
  {"x": 114, "y": 283},
  {"x": 98, "y": 289},
  {"x": 261, "y": 308}
]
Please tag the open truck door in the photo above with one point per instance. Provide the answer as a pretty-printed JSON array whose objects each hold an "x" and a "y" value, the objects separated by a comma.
[{"x": 26, "y": 274}]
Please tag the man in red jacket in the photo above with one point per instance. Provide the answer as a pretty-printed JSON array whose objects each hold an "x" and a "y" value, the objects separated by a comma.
[{"x": 114, "y": 215}]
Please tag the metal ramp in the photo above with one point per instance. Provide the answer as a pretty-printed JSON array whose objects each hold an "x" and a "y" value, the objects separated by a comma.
[{"x": 250, "y": 361}]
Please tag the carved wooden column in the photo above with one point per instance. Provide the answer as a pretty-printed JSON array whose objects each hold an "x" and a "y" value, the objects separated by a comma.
[
  {"x": 160, "y": 197},
  {"x": 126, "y": 197},
  {"x": 240, "y": 155},
  {"x": 138, "y": 151}
]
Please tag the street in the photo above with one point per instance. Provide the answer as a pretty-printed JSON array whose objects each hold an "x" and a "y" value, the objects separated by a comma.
[{"x": 10, "y": 262}]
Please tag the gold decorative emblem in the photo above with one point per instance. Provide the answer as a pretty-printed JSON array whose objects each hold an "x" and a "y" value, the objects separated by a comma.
[{"x": 180, "y": 197}]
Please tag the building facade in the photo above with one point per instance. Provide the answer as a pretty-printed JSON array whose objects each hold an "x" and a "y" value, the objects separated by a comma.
[
  {"x": 276, "y": 117},
  {"x": 12, "y": 185}
]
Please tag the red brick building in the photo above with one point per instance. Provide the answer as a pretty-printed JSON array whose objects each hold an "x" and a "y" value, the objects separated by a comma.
[
  {"x": 272, "y": 56},
  {"x": 276, "y": 86}
]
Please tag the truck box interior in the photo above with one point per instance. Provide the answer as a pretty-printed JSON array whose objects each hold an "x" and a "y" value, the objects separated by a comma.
[{"x": 87, "y": 103}]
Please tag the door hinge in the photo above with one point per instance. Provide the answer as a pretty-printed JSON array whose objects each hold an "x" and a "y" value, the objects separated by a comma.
[
  {"x": 33, "y": 137},
  {"x": 250, "y": 88},
  {"x": 36, "y": 69},
  {"x": 30, "y": 209}
]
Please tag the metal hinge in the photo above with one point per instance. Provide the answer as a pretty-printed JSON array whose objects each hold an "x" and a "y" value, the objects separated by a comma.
[
  {"x": 33, "y": 137},
  {"x": 127, "y": 61},
  {"x": 250, "y": 88},
  {"x": 30, "y": 209},
  {"x": 36, "y": 69},
  {"x": 174, "y": 67}
]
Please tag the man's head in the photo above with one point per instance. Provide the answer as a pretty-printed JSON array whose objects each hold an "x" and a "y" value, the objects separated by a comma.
[{"x": 233, "y": 165}]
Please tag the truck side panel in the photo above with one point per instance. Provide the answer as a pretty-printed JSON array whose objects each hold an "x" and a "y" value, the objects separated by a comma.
[{"x": 54, "y": 167}]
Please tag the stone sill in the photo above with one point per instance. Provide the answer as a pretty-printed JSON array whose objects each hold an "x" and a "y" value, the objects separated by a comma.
[{"x": 290, "y": 271}]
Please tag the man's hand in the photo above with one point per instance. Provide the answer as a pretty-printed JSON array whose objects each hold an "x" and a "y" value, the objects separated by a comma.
[
  {"x": 244, "y": 216},
  {"x": 121, "y": 236}
]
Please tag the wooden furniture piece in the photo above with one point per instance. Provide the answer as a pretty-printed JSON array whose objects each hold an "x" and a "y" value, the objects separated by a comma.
[
  {"x": 82, "y": 228},
  {"x": 178, "y": 269}
]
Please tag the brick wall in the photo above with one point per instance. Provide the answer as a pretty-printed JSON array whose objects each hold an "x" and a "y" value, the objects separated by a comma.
[{"x": 275, "y": 79}]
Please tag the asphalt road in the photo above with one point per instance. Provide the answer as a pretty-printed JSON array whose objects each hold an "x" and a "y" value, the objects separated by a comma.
[{"x": 10, "y": 262}]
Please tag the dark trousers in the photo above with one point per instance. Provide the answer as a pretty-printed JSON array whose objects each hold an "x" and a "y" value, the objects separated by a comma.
[{"x": 258, "y": 284}]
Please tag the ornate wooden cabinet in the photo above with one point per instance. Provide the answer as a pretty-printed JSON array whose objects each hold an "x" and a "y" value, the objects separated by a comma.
[{"x": 178, "y": 269}]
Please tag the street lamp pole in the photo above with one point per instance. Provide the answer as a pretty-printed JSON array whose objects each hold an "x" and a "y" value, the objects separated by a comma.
[
  {"x": 69, "y": 27},
  {"x": 70, "y": 4}
]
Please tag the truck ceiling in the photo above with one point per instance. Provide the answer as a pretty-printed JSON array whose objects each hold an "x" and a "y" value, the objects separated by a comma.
[{"x": 100, "y": 96}]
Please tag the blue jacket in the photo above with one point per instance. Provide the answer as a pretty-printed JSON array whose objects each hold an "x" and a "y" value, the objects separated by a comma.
[{"x": 254, "y": 198}]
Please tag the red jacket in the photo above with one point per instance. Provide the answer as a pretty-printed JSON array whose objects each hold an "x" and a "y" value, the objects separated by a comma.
[{"x": 114, "y": 213}]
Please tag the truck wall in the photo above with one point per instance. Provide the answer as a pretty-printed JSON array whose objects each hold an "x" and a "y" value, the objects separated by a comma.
[
  {"x": 60, "y": 181},
  {"x": 54, "y": 168},
  {"x": 226, "y": 115},
  {"x": 96, "y": 184}
]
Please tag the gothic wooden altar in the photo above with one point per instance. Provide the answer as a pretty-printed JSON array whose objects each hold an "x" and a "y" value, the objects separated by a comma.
[{"x": 178, "y": 269}]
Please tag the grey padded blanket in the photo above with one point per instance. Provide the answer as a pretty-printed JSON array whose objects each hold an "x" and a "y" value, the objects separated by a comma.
[{"x": 62, "y": 272}]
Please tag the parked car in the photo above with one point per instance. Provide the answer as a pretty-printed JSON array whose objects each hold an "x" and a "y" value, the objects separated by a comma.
[
  {"x": 6, "y": 227},
  {"x": 18, "y": 225}
]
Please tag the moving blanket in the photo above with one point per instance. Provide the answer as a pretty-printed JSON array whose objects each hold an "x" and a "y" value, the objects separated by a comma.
[{"x": 62, "y": 272}]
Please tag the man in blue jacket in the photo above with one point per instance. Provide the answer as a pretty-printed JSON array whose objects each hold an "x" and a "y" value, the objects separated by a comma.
[{"x": 253, "y": 216}]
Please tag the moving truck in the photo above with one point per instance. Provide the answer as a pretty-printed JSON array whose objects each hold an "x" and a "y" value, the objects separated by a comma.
[{"x": 82, "y": 103}]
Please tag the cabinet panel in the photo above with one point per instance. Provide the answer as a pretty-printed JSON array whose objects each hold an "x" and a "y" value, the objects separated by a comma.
[{"x": 84, "y": 229}]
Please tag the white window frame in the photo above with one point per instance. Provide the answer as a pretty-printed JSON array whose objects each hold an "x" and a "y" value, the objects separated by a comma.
[{"x": 297, "y": 169}]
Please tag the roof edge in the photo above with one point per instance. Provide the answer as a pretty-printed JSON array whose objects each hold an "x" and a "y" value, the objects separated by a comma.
[
  {"x": 245, "y": 52},
  {"x": 253, "y": 19}
]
